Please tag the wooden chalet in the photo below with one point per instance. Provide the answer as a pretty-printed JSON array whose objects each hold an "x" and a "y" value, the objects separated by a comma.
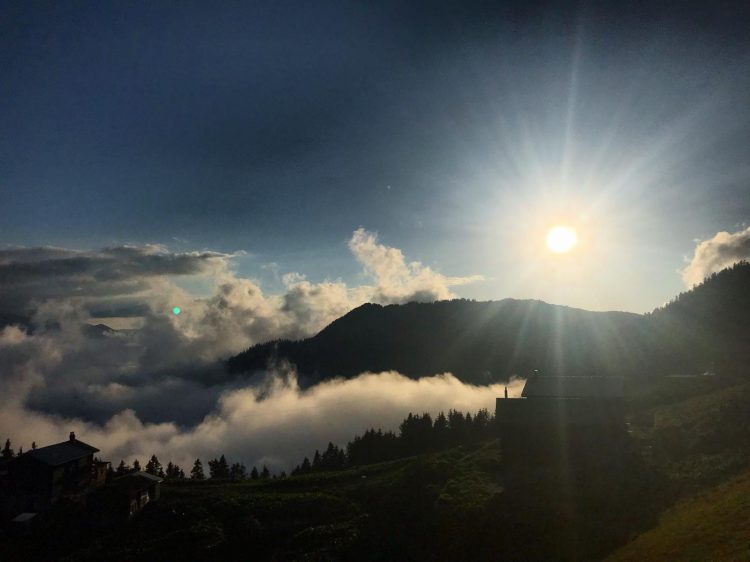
[
  {"x": 40, "y": 478},
  {"x": 127, "y": 495}
]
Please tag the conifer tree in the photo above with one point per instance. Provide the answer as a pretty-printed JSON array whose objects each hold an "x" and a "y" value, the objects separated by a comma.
[
  {"x": 218, "y": 468},
  {"x": 254, "y": 474},
  {"x": 153, "y": 466},
  {"x": 197, "y": 472},
  {"x": 223, "y": 467},
  {"x": 172, "y": 471},
  {"x": 7, "y": 451},
  {"x": 265, "y": 473},
  {"x": 122, "y": 469},
  {"x": 316, "y": 460},
  {"x": 440, "y": 430},
  {"x": 238, "y": 471},
  {"x": 136, "y": 466}
]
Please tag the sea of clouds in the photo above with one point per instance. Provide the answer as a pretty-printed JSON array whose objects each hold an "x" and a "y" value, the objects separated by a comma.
[{"x": 161, "y": 387}]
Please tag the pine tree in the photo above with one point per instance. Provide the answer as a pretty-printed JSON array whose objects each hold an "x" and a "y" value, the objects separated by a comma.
[
  {"x": 153, "y": 466},
  {"x": 254, "y": 474},
  {"x": 306, "y": 467},
  {"x": 197, "y": 472},
  {"x": 265, "y": 473},
  {"x": 7, "y": 451},
  {"x": 136, "y": 466},
  {"x": 223, "y": 467},
  {"x": 172, "y": 472},
  {"x": 316, "y": 460},
  {"x": 122, "y": 469},
  {"x": 238, "y": 471},
  {"x": 182, "y": 475},
  {"x": 440, "y": 430},
  {"x": 219, "y": 468},
  {"x": 332, "y": 459}
]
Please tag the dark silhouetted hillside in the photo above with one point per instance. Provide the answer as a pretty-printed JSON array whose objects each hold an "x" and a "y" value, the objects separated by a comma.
[
  {"x": 477, "y": 341},
  {"x": 709, "y": 324},
  {"x": 481, "y": 342}
]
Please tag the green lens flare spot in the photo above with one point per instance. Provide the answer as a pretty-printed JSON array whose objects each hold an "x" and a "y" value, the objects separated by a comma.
[{"x": 176, "y": 310}]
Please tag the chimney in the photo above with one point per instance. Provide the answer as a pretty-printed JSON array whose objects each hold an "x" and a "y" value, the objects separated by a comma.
[
  {"x": 506, "y": 391},
  {"x": 72, "y": 435}
]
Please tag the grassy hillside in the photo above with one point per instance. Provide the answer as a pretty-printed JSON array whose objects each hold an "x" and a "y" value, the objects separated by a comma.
[
  {"x": 687, "y": 436},
  {"x": 441, "y": 506},
  {"x": 395, "y": 510},
  {"x": 698, "y": 430},
  {"x": 713, "y": 525}
]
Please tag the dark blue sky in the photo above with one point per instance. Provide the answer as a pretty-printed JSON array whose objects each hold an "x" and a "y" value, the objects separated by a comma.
[{"x": 279, "y": 128}]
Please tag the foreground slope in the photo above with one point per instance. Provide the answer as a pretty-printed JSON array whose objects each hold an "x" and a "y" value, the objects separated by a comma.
[
  {"x": 687, "y": 435},
  {"x": 713, "y": 525}
]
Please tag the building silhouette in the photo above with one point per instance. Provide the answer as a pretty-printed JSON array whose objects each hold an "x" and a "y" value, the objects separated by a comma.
[{"x": 561, "y": 424}]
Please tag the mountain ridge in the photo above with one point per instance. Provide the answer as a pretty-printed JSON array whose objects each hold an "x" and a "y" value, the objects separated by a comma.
[{"x": 490, "y": 341}]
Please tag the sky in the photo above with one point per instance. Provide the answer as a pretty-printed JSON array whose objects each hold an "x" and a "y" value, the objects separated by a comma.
[
  {"x": 268, "y": 166},
  {"x": 457, "y": 133}
]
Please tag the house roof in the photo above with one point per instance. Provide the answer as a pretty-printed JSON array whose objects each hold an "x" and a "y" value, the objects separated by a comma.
[
  {"x": 61, "y": 453},
  {"x": 542, "y": 386},
  {"x": 151, "y": 477},
  {"x": 135, "y": 481}
]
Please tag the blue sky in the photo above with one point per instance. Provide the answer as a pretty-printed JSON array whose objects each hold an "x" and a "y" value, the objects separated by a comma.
[{"x": 458, "y": 134}]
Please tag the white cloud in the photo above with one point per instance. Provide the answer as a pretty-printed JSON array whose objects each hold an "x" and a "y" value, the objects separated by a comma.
[
  {"x": 396, "y": 280},
  {"x": 276, "y": 423},
  {"x": 715, "y": 254}
]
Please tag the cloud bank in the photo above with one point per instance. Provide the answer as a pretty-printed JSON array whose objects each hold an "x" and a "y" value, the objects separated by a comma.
[
  {"x": 272, "y": 422},
  {"x": 159, "y": 387},
  {"x": 715, "y": 254}
]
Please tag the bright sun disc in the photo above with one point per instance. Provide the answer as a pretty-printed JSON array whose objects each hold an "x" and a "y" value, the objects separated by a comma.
[{"x": 561, "y": 239}]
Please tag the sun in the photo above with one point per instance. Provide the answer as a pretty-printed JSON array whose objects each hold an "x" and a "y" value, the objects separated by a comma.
[{"x": 561, "y": 239}]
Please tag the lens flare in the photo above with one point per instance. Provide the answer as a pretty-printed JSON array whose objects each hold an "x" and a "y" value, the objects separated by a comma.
[{"x": 176, "y": 310}]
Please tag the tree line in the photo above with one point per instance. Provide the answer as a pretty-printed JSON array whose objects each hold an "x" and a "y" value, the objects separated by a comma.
[
  {"x": 218, "y": 469},
  {"x": 417, "y": 434},
  {"x": 8, "y": 453}
]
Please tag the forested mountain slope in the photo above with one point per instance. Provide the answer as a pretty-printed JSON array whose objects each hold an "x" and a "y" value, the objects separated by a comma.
[{"x": 704, "y": 328}]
